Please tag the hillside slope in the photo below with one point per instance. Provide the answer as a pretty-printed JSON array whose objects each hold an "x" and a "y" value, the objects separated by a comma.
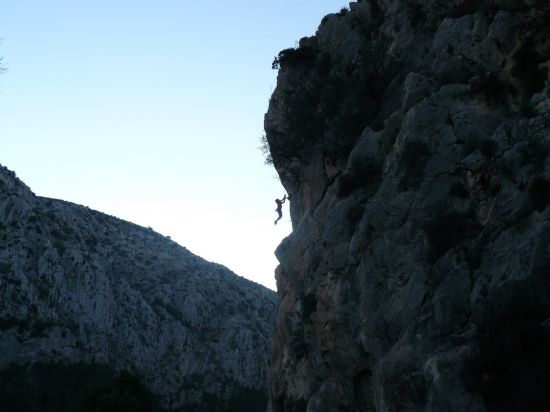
[{"x": 84, "y": 288}]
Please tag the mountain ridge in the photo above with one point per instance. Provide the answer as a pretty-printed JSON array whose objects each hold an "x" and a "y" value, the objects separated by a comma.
[{"x": 79, "y": 285}]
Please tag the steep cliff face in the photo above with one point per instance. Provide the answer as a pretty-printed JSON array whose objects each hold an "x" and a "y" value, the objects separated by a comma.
[
  {"x": 78, "y": 286},
  {"x": 413, "y": 139}
]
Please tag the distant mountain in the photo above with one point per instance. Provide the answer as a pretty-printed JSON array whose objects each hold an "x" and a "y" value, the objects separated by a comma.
[{"x": 84, "y": 295}]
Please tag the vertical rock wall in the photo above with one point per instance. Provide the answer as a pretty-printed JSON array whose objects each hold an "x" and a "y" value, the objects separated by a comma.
[{"x": 413, "y": 139}]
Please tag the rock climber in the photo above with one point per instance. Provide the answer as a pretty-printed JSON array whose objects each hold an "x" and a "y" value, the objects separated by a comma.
[{"x": 279, "y": 208}]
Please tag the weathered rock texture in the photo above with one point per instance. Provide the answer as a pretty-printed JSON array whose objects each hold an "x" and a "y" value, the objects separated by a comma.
[
  {"x": 413, "y": 139},
  {"x": 77, "y": 285}
]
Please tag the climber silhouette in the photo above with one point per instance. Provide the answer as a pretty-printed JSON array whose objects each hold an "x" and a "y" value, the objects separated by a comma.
[{"x": 279, "y": 208}]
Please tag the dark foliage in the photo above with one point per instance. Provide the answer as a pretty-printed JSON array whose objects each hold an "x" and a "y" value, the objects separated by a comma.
[
  {"x": 5, "y": 267},
  {"x": 343, "y": 11},
  {"x": 242, "y": 399},
  {"x": 58, "y": 387},
  {"x": 92, "y": 242},
  {"x": 47, "y": 387},
  {"x": 539, "y": 193},
  {"x": 291, "y": 405},
  {"x": 59, "y": 245},
  {"x": 293, "y": 56},
  {"x": 8, "y": 322},
  {"x": 266, "y": 151},
  {"x": 39, "y": 326},
  {"x": 124, "y": 393},
  {"x": 512, "y": 368},
  {"x": 447, "y": 231}
]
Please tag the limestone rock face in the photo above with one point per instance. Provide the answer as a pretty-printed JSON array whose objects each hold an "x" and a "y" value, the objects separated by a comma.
[
  {"x": 77, "y": 285},
  {"x": 413, "y": 139}
]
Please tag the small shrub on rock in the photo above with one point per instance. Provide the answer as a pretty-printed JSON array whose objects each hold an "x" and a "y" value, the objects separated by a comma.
[
  {"x": 292, "y": 56},
  {"x": 266, "y": 151},
  {"x": 343, "y": 11}
]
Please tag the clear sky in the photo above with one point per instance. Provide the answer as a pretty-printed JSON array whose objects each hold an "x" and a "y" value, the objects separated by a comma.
[{"x": 152, "y": 111}]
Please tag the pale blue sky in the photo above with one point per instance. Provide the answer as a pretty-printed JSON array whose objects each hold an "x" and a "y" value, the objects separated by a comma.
[{"x": 152, "y": 111}]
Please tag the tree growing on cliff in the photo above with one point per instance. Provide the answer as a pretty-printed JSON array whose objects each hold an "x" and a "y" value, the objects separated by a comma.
[
  {"x": 266, "y": 151},
  {"x": 343, "y": 11},
  {"x": 293, "y": 56}
]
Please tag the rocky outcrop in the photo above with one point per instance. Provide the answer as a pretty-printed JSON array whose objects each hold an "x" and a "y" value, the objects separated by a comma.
[
  {"x": 413, "y": 139},
  {"x": 81, "y": 287}
]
